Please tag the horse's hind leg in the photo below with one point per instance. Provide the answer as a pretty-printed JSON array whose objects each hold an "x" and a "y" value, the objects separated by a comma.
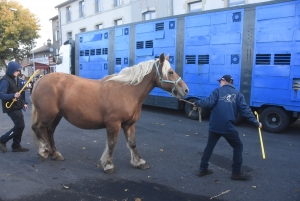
[
  {"x": 55, "y": 155},
  {"x": 136, "y": 159},
  {"x": 106, "y": 158}
]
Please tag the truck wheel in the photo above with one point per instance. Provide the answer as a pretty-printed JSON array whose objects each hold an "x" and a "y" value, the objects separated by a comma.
[
  {"x": 274, "y": 119},
  {"x": 194, "y": 115}
]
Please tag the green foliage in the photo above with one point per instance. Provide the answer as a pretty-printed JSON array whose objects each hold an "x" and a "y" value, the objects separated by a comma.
[{"x": 18, "y": 28}]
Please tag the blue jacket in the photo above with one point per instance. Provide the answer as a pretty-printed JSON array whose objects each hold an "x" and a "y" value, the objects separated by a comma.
[{"x": 226, "y": 102}]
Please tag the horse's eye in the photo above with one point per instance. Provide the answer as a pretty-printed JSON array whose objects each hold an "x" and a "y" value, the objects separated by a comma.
[{"x": 171, "y": 73}]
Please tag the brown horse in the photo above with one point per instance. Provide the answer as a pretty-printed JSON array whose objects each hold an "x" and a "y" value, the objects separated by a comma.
[{"x": 113, "y": 103}]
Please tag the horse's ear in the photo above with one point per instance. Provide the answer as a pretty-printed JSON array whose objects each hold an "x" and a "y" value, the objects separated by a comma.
[
  {"x": 161, "y": 58},
  {"x": 167, "y": 57}
]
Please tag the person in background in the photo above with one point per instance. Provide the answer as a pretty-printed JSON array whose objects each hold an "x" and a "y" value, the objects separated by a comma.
[
  {"x": 9, "y": 89},
  {"x": 225, "y": 102},
  {"x": 22, "y": 84}
]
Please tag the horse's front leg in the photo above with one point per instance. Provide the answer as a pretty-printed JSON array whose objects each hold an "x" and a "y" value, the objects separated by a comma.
[
  {"x": 106, "y": 159},
  {"x": 136, "y": 159}
]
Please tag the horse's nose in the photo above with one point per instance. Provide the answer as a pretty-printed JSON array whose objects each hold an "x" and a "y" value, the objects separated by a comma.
[{"x": 186, "y": 90}]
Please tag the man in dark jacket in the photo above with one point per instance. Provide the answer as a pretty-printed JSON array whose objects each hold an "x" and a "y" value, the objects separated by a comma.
[
  {"x": 9, "y": 90},
  {"x": 225, "y": 102}
]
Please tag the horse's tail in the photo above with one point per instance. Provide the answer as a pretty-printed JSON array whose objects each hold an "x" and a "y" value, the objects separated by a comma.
[{"x": 33, "y": 122}]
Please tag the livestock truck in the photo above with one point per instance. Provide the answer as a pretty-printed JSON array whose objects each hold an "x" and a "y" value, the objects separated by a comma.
[{"x": 257, "y": 44}]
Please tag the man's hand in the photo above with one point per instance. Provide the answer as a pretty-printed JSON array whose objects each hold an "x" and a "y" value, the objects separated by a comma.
[
  {"x": 25, "y": 106},
  {"x": 17, "y": 95},
  {"x": 260, "y": 125}
]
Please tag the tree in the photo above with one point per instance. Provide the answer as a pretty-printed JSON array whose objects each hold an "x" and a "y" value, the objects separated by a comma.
[{"x": 18, "y": 29}]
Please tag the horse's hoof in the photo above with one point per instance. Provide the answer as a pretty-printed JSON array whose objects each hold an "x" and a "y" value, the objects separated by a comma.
[
  {"x": 143, "y": 166},
  {"x": 110, "y": 171},
  {"x": 41, "y": 158},
  {"x": 58, "y": 158}
]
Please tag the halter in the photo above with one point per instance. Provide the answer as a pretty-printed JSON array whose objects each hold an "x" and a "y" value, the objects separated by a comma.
[{"x": 166, "y": 81}]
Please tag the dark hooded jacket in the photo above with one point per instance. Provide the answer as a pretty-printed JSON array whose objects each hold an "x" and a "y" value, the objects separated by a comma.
[
  {"x": 9, "y": 85},
  {"x": 226, "y": 102}
]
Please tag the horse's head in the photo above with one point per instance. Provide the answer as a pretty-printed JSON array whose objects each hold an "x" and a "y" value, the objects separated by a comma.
[{"x": 168, "y": 79}]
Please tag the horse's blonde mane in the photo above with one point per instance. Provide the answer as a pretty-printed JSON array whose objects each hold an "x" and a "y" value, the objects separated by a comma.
[{"x": 135, "y": 74}]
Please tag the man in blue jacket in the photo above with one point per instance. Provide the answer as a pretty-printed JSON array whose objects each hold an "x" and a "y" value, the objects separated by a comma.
[
  {"x": 225, "y": 102},
  {"x": 9, "y": 90}
]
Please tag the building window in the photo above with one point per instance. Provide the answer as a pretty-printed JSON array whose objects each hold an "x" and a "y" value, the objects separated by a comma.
[
  {"x": 149, "y": 15},
  {"x": 98, "y": 26},
  {"x": 68, "y": 11},
  {"x": 81, "y": 9},
  {"x": 236, "y": 2},
  {"x": 98, "y": 6},
  {"x": 118, "y": 22},
  {"x": 69, "y": 35},
  {"x": 56, "y": 35},
  {"x": 117, "y": 3},
  {"x": 195, "y": 6},
  {"x": 82, "y": 30}
]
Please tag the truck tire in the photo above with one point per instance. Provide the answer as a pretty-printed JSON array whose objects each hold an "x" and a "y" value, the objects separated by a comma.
[
  {"x": 274, "y": 119},
  {"x": 194, "y": 115}
]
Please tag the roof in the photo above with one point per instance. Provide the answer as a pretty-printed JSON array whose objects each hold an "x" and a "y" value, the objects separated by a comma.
[
  {"x": 65, "y": 3},
  {"x": 41, "y": 49},
  {"x": 54, "y": 18}
]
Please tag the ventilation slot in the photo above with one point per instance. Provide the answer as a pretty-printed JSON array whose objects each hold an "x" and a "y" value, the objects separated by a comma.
[
  {"x": 203, "y": 59},
  {"x": 81, "y": 53},
  {"x": 171, "y": 59},
  {"x": 118, "y": 61},
  {"x": 282, "y": 59},
  {"x": 92, "y": 51},
  {"x": 149, "y": 44},
  {"x": 106, "y": 35},
  {"x": 98, "y": 51},
  {"x": 263, "y": 59},
  {"x": 236, "y": 17},
  {"x": 139, "y": 44},
  {"x": 159, "y": 26},
  {"x": 105, "y": 51},
  {"x": 171, "y": 25},
  {"x": 235, "y": 59},
  {"x": 86, "y": 52},
  {"x": 125, "y": 60},
  {"x": 126, "y": 31},
  {"x": 190, "y": 59}
]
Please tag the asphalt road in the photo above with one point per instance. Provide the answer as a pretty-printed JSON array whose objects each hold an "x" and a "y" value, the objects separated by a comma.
[{"x": 171, "y": 144}]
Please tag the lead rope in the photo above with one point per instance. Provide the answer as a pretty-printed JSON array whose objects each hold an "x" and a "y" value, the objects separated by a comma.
[{"x": 194, "y": 109}]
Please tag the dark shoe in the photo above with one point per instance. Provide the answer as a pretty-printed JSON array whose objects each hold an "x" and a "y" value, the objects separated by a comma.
[
  {"x": 3, "y": 147},
  {"x": 205, "y": 172},
  {"x": 20, "y": 149},
  {"x": 240, "y": 176}
]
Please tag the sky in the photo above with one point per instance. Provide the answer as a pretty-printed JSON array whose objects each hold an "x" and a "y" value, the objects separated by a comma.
[{"x": 44, "y": 10}]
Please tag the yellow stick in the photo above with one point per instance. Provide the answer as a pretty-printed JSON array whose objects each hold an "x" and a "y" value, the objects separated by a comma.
[
  {"x": 260, "y": 137},
  {"x": 15, "y": 99}
]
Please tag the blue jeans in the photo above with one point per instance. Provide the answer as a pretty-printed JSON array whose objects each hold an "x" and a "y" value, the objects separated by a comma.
[{"x": 234, "y": 140}]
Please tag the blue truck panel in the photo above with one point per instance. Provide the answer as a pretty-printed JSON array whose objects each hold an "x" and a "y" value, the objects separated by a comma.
[
  {"x": 212, "y": 48},
  {"x": 276, "y": 67},
  {"x": 152, "y": 39},
  {"x": 93, "y": 54}
]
